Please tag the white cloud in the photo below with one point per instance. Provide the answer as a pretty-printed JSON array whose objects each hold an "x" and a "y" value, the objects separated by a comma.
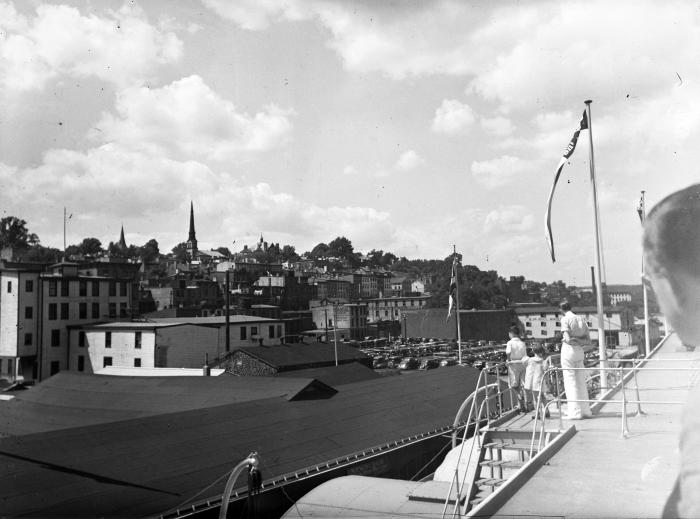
[
  {"x": 120, "y": 47},
  {"x": 255, "y": 15},
  {"x": 350, "y": 170},
  {"x": 408, "y": 160},
  {"x": 509, "y": 220},
  {"x": 188, "y": 120},
  {"x": 497, "y": 126},
  {"x": 452, "y": 117},
  {"x": 499, "y": 172}
]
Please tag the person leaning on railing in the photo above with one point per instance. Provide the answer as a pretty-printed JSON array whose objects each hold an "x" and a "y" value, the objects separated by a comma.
[{"x": 672, "y": 260}]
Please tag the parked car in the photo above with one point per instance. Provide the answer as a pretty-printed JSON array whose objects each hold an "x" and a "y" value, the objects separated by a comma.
[
  {"x": 408, "y": 363},
  {"x": 429, "y": 364},
  {"x": 448, "y": 362}
]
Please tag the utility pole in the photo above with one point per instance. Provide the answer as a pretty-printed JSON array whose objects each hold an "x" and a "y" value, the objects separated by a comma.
[
  {"x": 228, "y": 310},
  {"x": 335, "y": 330}
]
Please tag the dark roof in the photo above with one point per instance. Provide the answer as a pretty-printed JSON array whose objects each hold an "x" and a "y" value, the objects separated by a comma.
[
  {"x": 334, "y": 375},
  {"x": 148, "y": 465},
  {"x": 70, "y": 399},
  {"x": 301, "y": 354}
]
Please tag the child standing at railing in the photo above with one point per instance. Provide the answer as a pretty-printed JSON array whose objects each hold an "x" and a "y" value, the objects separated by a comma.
[{"x": 534, "y": 373}]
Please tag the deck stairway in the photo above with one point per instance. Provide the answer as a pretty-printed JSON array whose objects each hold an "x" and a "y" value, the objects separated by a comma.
[{"x": 503, "y": 452}]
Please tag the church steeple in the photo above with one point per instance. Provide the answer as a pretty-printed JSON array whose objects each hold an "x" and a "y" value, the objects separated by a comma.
[
  {"x": 122, "y": 241},
  {"x": 192, "y": 238}
]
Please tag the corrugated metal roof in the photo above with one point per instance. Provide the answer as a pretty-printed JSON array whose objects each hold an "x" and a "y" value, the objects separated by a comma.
[{"x": 149, "y": 465}]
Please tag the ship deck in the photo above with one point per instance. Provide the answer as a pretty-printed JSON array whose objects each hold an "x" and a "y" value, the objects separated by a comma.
[{"x": 599, "y": 473}]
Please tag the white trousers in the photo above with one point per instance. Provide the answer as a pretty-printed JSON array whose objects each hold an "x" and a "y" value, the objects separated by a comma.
[{"x": 574, "y": 381}]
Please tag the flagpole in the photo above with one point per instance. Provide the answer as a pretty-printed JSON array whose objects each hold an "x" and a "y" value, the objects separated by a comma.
[
  {"x": 64, "y": 233},
  {"x": 647, "y": 348},
  {"x": 459, "y": 331},
  {"x": 602, "y": 351}
]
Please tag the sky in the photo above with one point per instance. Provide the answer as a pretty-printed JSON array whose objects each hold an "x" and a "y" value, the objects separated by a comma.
[{"x": 410, "y": 126}]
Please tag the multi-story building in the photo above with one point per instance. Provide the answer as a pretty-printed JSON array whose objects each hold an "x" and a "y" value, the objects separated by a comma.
[
  {"x": 167, "y": 343},
  {"x": 619, "y": 297},
  {"x": 38, "y": 304},
  {"x": 348, "y": 320},
  {"x": 391, "y": 308},
  {"x": 544, "y": 322}
]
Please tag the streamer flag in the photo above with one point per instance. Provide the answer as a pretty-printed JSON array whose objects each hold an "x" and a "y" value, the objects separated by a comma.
[{"x": 583, "y": 125}]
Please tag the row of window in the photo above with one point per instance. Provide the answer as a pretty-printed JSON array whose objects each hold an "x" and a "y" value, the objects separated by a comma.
[
  {"x": 64, "y": 285},
  {"x": 557, "y": 324},
  {"x": 254, "y": 331},
  {"x": 544, "y": 316},
  {"x": 82, "y": 311},
  {"x": 55, "y": 365},
  {"x": 403, "y": 303}
]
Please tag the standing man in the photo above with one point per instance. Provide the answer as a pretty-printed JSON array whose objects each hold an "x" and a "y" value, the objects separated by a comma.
[
  {"x": 515, "y": 351},
  {"x": 672, "y": 259},
  {"x": 575, "y": 335}
]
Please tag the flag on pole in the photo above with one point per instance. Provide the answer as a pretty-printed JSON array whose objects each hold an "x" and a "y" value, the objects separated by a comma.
[
  {"x": 567, "y": 154},
  {"x": 640, "y": 209},
  {"x": 453, "y": 287}
]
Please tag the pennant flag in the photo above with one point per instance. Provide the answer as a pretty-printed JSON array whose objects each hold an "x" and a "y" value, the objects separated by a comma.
[
  {"x": 640, "y": 209},
  {"x": 567, "y": 153},
  {"x": 453, "y": 287}
]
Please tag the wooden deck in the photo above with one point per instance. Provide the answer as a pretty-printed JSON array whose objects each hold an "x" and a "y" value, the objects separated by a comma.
[{"x": 600, "y": 474}]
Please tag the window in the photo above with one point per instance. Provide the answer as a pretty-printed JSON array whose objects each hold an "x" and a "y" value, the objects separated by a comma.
[
  {"x": 272, "y": 331},
  {"x": 52, "y": 288},
  {"x": 53, "y": 311},
  {"x": 608, "y": 315},
  {"x": 95, "y": 310},
  {"x": 64, "y": 288},
  {"x": 81, "y": 363},
  {"x": 108, "y": 339},
  {"x": 279, "y": 330},
  {"x": 122, "y": 310},
  {"x": 81, "y": 339},
  {"x": 112, "y": 288},
  {"x": 589, "y": 323},
  {"x": 543, "y": 323},
  {"x": 28, "y": 312},
  {"x": 528, "y": 323},
  {"x": 55, "y": 367},
  {"x": 82, "y": 288},
  {"x": 10, "y": 367},
  {"x": 253, "y": 330},
  {"x": 82, "y": 311},
  {"x": 29, "y": 285},
  {"x": 55, "y": 337},
  {"x": 122, "y": 289},
  {"x": 243, "y": 333},
  {"x": 528, "y": 332},
  {"x": 106, "y": 361},
  {"x": 557, "y": 323},
  {"x": 137, "y": 340},
  {"x": 9, "y": 287},
  {"x": 543, "y": 332},
  {"x": 95, "y": 288},
  {"x": 543, "y": 315},
  {"x": 64, "y": 311},
  {"x": 27, "y": 339},
  {"x": 137, "y": 363},
  {"x": 112, "y": 309}
]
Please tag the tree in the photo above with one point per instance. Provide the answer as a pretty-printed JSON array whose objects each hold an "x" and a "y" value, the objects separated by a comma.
[
  {"x": 90, "y": 247},
  {"x": 149, "y": 252},
  {"x": 180, "y": 252},
  {"x": 289, "y": 253},
  {"x": 40, "y": 254},
  {"x": 14, "y": 233},
  {"x": 224, "y": 250},
  {"x": 341, "y": 247},
  {"x": 320, "y": 251}
]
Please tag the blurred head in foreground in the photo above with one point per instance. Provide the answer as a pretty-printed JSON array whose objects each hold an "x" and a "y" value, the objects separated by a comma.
[{"x": 672, "y": 259}]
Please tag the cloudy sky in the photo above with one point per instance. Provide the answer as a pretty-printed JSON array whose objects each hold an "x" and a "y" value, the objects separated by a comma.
[{"x": 404, "y": 126}]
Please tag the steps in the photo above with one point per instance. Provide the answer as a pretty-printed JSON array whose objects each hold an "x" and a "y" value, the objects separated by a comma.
[{"x": 503, "y": 452}]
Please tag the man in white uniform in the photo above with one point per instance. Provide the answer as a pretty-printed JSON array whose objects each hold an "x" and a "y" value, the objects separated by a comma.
[{"x": 575, "y": 335}]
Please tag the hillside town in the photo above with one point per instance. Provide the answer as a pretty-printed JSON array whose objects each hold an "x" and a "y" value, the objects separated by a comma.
[{"x": 131, "y": 308}]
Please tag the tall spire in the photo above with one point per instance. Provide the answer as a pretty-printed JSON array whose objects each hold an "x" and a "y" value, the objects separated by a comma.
[
  {"x": 122, "y": 241},
  {"x": 192, "y": 238}
]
